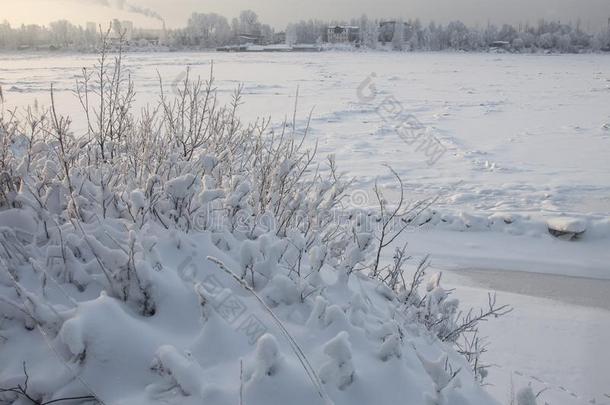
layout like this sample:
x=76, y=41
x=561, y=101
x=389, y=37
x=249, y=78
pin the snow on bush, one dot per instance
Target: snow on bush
x=267, y=357
x=339, y=369
x=106, y=289
x=182, y=371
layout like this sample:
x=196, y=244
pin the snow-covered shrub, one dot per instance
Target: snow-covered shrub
x=339, y=369
x=267, y=357
x=104, y=241
x=180, y=370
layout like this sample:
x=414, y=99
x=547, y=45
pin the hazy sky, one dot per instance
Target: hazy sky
x=592, y=13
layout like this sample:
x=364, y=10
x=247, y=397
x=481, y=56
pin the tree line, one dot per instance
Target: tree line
x=209, y=30
x=412, y=35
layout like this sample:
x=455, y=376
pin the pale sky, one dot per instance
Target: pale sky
x=593, y=14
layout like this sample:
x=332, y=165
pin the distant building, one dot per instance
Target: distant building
x=253, y=39
x=127, y=27
x=150, y=37
x=343, y=34
x=279, y=38
x=500, y=44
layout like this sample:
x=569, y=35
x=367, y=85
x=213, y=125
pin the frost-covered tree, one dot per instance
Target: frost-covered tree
x=369, y=31
x=61, y=32
x=208, y=30
x=415, y=35
x=306, y=32
x=545, y=41
x=248, y=23
x=458, y=35
x=518, y=44
x=507, y=33
x=398, y=36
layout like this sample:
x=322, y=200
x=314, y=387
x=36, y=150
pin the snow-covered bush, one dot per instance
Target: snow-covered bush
x=104, y=241
x=339, y=369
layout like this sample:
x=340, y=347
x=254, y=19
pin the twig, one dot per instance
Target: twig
x=310, y=371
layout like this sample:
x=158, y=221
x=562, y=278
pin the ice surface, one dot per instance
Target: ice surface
x=524, y=132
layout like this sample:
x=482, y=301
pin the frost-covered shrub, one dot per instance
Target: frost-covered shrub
x=267, y=357
x=339, y=369
x=178, y=369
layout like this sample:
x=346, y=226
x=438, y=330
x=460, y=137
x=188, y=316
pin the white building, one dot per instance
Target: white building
x=343, y=34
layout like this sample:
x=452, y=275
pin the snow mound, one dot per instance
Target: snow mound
x=191, y=349
x=513, y=223
x=565, y=224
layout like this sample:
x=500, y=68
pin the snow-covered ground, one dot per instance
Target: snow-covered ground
x=555, y=338
x=526, y=140
x=526, y=133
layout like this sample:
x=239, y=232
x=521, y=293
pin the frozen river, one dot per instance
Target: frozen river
x=521, y=133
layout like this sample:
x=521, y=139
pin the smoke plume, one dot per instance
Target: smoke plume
x=126, y=6
x=133, y=8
